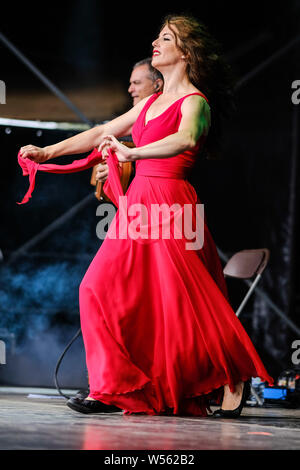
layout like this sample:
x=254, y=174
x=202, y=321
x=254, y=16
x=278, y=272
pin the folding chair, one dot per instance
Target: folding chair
x=248, y=264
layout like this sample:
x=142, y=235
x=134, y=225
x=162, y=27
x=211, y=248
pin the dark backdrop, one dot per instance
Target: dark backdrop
x=250, y=197
x=101, y=40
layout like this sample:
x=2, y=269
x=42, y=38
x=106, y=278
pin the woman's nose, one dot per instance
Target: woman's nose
x=154, y=43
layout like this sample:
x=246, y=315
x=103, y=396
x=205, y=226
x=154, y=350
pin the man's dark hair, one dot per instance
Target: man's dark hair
x=154, y=73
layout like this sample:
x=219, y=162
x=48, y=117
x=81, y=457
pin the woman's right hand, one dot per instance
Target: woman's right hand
x=36, y=154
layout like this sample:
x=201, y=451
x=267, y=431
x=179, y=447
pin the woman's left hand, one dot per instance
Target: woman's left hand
x=123, y=153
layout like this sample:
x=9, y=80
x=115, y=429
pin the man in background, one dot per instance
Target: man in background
x=144, y=81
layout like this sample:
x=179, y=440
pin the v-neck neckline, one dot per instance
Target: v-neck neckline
x=172, y=104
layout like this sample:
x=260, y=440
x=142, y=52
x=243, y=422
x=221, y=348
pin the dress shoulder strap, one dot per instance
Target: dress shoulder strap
x=196, y=93
x=150, y=100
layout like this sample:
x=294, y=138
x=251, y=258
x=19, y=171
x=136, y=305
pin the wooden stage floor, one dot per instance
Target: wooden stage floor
x=32, y=423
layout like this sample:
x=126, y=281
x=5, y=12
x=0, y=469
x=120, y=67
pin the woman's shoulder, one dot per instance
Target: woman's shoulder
x=195, y=107
x=195, y=95
x=195, y=100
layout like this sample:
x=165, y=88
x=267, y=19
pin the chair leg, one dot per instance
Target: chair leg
x=257, y=397
x=252, y=287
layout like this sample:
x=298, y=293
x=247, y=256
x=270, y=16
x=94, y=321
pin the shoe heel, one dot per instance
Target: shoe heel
x=237, y=411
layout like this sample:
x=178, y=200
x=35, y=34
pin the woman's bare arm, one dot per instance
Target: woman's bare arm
x=87, y=140
x=195, y=122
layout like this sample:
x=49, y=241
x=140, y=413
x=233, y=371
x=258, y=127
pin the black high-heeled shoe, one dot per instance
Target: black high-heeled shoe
x=90, y=406
x=237, y=411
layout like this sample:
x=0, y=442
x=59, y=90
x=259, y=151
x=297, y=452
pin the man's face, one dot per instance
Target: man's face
x=141, y=84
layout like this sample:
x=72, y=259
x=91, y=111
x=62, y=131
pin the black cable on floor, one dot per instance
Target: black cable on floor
x=59, y=362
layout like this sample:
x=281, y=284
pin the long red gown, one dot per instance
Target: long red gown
x=159, y=333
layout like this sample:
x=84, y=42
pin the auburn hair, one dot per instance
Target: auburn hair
x=208, y=71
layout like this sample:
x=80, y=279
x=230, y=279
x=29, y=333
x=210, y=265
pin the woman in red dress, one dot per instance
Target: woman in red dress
x=160, y=335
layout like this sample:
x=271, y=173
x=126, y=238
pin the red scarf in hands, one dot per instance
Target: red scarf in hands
x=112, y=186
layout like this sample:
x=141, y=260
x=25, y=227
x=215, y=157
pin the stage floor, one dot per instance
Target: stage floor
x=28, y=422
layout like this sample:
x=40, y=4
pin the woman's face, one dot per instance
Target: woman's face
x=165, y=49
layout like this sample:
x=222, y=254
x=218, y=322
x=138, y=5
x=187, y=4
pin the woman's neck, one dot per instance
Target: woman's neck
x=176, y=82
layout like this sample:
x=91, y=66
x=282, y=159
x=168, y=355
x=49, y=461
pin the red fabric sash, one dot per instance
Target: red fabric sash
x=112, y=186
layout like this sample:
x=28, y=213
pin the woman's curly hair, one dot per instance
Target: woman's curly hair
x=208, y=71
